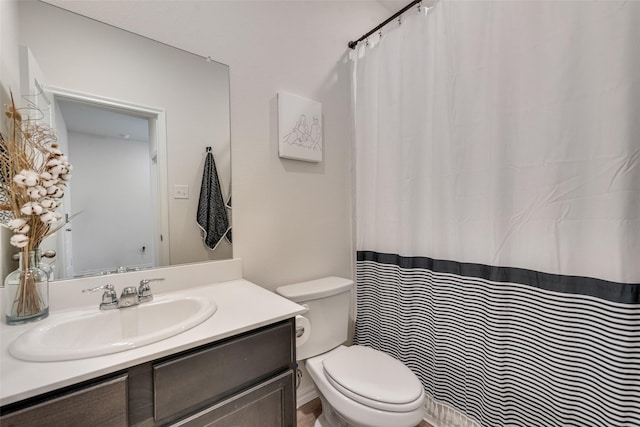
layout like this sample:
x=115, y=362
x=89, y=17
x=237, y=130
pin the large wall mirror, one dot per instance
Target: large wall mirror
x=136, y=118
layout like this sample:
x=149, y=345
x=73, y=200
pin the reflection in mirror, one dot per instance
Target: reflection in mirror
x=114, y=147
x=135, y=190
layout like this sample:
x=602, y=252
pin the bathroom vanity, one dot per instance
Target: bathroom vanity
x=235, y=368
x=245, y=380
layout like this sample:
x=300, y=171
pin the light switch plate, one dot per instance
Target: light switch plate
x=180, y=191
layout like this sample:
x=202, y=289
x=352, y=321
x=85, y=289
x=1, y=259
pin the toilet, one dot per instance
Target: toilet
x=358, y=386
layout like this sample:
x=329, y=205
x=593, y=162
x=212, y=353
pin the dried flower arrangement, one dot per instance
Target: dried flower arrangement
x=33, y=176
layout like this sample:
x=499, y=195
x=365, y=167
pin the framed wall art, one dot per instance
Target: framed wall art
x=299, y=128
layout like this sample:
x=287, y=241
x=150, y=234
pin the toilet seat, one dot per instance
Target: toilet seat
x=374, y=379
x=353, y=412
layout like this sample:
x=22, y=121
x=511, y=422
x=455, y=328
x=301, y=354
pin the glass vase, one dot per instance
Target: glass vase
x=26, y=291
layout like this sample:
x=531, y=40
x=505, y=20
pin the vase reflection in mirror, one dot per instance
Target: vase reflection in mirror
x=26, y=290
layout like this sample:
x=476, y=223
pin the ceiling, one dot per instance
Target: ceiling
x=88, y=119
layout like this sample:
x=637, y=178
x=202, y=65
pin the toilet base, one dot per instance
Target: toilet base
x=321, y=422
x=329, y=417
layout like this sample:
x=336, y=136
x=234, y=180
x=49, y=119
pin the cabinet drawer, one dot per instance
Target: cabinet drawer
x=270, y=404
x=187, y=382
x=103, y=404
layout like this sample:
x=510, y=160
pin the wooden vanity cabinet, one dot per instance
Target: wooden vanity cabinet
x=103, y=403
x=246, y=380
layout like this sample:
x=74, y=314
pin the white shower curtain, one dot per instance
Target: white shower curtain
x=497, y=151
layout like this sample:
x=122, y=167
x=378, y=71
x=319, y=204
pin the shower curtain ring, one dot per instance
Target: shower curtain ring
x=400, y=20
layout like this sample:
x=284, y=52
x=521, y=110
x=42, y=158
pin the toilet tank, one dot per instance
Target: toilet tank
x=329, y=301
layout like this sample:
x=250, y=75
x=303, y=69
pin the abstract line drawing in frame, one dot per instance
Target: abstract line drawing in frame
x=299, y=128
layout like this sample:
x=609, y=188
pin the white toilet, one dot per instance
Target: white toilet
x=358, y=386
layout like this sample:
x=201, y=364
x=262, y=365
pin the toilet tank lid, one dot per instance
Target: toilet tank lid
x=314, y=289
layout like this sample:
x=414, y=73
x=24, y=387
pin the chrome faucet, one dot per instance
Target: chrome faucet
x=109, y=297
x=129, y=297
x=144, y=290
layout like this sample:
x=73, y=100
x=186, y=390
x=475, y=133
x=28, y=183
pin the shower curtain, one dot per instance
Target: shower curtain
x=497, y=168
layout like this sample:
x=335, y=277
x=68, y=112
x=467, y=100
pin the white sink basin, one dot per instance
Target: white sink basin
x=88, y=333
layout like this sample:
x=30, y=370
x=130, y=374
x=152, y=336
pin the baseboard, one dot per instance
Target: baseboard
x=305, y=396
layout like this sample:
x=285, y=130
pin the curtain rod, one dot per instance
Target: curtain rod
x=353, y=44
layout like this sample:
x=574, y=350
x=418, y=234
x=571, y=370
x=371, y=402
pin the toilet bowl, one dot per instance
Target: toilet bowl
x=358, y=386
x=367, y=388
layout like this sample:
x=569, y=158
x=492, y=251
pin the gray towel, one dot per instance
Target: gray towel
x=228, y=235
x=212, y=212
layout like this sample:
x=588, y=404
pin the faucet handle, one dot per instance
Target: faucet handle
x=144, y=291
x=108, y=287
x=146, y=281
x=109, y=297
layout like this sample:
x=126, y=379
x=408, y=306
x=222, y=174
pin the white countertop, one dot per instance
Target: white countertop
x=242, y=306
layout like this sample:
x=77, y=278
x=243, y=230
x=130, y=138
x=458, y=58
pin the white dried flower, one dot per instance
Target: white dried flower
x=17, y=223
x=32, y=177
x=50, y=217
x=55, y=192
x=36, y=192
x=48, y=203
x=19, y=240
x=56, y=171
x=49, y=183
x=37, y=189
x=26, y=178
x=20, y=180
x=32, y=208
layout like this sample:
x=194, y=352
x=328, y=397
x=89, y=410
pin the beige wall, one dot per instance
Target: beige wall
x=292, y=220
x=8, y=47
x=9, y=77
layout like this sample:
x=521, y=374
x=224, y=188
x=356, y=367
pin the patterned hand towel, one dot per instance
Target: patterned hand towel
x=212, y=212
x=228, y=235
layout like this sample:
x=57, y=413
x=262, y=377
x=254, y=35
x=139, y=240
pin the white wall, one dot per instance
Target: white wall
x=9, y=72
x=291, y=219
x=9, y=77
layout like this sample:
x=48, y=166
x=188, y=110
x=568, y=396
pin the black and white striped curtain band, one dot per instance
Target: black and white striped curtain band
x=552, y=351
